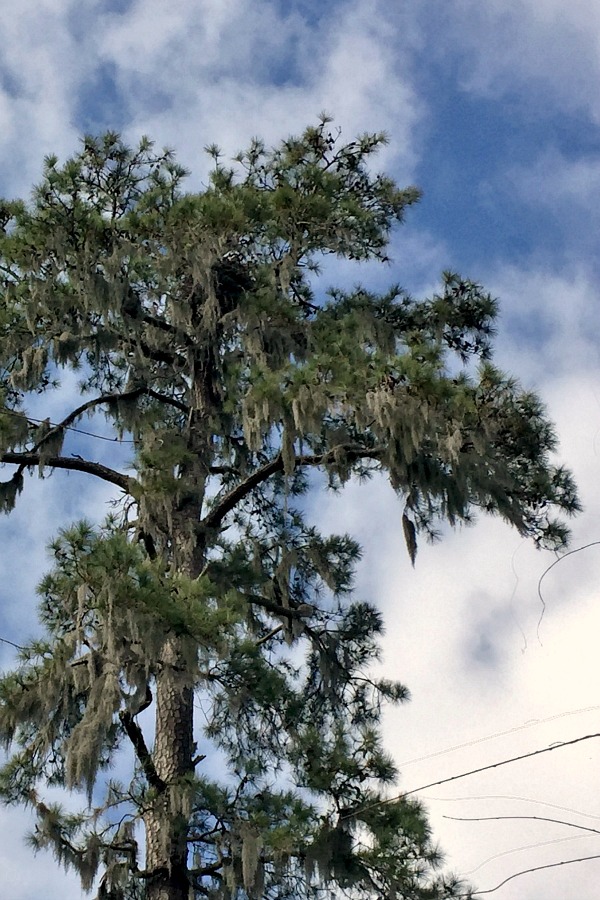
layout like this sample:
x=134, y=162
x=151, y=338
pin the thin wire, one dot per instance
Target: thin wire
x=535, y=818
x=572, y=837
x=489, y=737
x=514, y=593
x=503, y=762
x=576, y=812
x=100, y=437
x=551, y=566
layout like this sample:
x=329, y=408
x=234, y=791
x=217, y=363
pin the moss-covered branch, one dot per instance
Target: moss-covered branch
x=351, y=452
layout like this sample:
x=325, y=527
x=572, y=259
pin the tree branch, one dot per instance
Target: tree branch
x=300, y=613
x=31, y=457
x=89, y=404
x=107, y=398
x=24, y=460
x=212, y=869
x=353, y=452
x=135, y=735
x=171, y=401
x=156, y=354
x=168, y=327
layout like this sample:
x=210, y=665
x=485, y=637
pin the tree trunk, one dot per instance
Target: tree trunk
x=167, y=821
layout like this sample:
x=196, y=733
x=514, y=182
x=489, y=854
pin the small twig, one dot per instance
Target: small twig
x=563, y=862
x=12, y=643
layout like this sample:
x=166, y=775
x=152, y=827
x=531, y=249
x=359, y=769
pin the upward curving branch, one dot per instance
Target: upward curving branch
x=126, y=395
x=32, y=457
x=352, y=452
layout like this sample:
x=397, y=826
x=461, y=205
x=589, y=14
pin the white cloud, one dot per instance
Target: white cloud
x=40, y=68
x=24, y=876
x=543, y=51
x=565, y=190
x=207, y=76
x=549, y=321
x=462, y=627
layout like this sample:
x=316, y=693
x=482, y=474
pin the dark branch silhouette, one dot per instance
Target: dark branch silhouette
x=135, y=735
x=352, y=452
x=563, y=862
x=24, y=460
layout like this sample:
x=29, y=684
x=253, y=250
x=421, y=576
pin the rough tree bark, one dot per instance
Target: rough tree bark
x=166, y=824
x=173, y=755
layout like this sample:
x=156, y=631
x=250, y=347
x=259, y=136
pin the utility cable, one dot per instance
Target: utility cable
x=504, y=762
x=100, y=437
x=489, y=737
x=569, y=809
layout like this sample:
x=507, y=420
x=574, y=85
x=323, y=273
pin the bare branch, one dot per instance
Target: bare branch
x=135, y=735
x=169, y=401
x=563, y=862
x=74, y=463
x=212, y=869
x=267, y=637
x=168, y=327
x=299, y=613
x=12, y=643
x=79, y=411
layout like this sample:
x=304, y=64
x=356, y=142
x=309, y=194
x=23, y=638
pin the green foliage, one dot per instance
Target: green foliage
x=193, y=322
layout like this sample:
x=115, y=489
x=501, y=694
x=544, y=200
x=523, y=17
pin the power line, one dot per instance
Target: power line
x=572, y=837
x=535, y=818
x=503, y=762
x=570, y=809
x=100, y=437
x=489, y=737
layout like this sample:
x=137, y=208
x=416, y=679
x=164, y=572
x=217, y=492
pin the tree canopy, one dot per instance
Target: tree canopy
x=199, y=330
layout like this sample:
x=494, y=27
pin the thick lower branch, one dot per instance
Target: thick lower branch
x=74, y=463
x=299, y=613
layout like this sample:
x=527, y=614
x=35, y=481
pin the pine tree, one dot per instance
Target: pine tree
x=207, y=599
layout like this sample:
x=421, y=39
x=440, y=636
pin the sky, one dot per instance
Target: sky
x=493, y=110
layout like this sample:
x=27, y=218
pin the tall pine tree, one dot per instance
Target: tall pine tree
x=207, y=599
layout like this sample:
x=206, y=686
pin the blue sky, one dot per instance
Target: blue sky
x=493, y=109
